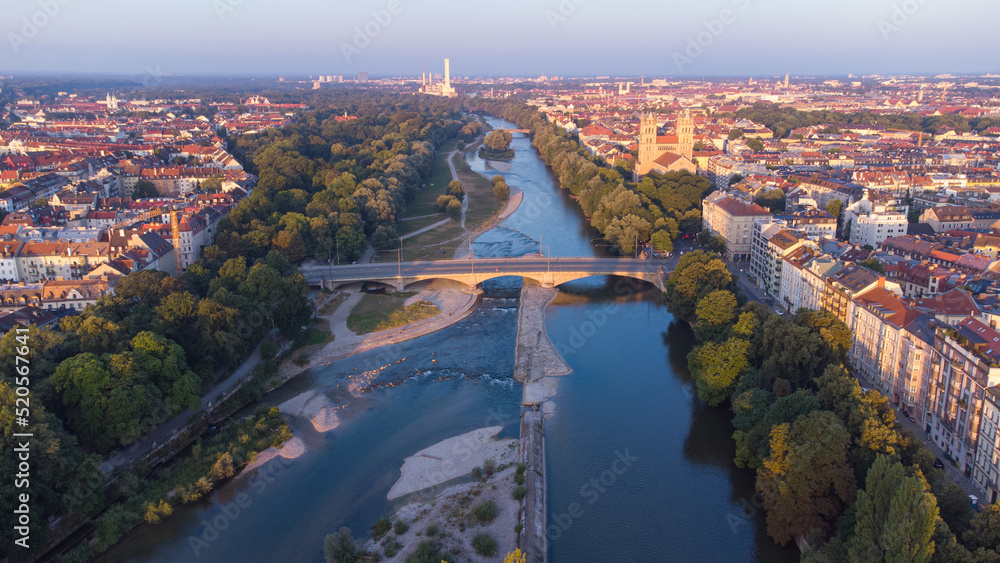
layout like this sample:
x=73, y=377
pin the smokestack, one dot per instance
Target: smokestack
x=447, y=75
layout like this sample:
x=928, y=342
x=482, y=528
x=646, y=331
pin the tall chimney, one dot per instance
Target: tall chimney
x=447, y=75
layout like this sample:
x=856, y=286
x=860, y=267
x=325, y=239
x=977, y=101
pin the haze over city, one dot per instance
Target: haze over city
x=523, y=38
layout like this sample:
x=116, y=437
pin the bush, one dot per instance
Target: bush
x=381, y=527
x=519, y=492
x=268, y=349
x=392, y=547
x=518, y=528
x=489, y=466
x=430, y=552
x=485, y=511
x=477, y=473
x=519, y=478
x=301, y=360
x=431, y=530
x=485, y=544
x=400, y=528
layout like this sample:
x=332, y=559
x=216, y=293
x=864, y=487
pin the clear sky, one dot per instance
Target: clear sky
x=514, y=37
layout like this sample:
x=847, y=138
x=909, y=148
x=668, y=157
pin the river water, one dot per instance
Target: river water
x=638, y=469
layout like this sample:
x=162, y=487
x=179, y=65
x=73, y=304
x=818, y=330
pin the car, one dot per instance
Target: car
x=938, y=463
x=907, y=414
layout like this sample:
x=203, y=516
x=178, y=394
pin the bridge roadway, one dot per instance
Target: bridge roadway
x=549, y=272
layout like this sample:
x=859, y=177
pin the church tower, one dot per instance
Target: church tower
x=647, y=143
x=685, y=135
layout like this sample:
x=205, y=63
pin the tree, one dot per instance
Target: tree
x=213, y=184
x=806, y=481
x=498, y=140
x=144, y=189
x=500, y=190
x=712, y=243
x=873, y=264
x=985, y=530
x=755, y=145
x=339, y=547
x=735, y=179
x=661, y=241
x=895, y=516
x=717, y=367
x=696, y=275
x=455, y=188
x=772, y=199
x=715, y=312
x=735, y=133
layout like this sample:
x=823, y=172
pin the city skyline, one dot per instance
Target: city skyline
x=568, y=38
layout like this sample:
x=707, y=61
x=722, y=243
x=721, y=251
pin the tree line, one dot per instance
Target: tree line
x=326, y=186
x=833, y=466
x=783, y=120
x=657, y=208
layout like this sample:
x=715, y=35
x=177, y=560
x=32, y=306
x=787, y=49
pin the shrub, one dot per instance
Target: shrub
x=485, y=511
x=400, y=528
x=518, y=528
x=381, y=527
x=484, y=544
x=430, y=552
x=489, y=466
x=519, y=478
x=392, y=547
x=431, y=530
x=477, y=473
x=519, y=492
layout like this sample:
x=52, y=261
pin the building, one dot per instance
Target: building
x=444, y=89
x=986, y=471
x=846, y=283
x=947, y=218
x=666, y=153
x=733, y=220
x=967, y=363
x=815, y=223
x=771, y=244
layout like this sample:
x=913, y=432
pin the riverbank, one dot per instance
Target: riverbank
x=448, y=518
x=454, y=304
x=452, y=458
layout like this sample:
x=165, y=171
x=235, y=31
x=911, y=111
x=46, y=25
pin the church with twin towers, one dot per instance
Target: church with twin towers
x=666, y=153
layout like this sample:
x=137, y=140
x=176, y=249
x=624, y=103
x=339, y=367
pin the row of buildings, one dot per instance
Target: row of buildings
x=924, y=321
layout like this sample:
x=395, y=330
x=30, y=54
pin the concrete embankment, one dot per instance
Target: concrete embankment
x=538, y=365
x=533, y=512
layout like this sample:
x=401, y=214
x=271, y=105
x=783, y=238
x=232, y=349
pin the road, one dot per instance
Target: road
x=512, y=266
x=147, y=443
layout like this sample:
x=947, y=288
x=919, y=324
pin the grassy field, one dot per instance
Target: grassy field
x=482, y=204
x=379, y=312
x=442, y=241
x=437, y=185
x=407, y=227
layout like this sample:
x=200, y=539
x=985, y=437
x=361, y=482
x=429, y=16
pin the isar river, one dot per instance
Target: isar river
x=638, y=469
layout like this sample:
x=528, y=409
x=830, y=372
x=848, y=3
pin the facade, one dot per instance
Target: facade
x=732, y=220
x=771, y=244
x=986, y=472
x=870, y=230
x=947, y=218
x=666, y=151
x=967, y=361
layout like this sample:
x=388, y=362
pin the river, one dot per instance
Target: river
x=672, y=495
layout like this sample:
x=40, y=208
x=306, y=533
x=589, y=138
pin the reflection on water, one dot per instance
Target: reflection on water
x=639, y=470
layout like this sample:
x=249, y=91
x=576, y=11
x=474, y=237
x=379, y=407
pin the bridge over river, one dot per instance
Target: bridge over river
x=547, y=271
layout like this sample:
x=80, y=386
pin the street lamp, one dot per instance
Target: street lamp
x=399, y=259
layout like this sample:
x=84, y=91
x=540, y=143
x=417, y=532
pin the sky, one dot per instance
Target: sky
x=510, y=38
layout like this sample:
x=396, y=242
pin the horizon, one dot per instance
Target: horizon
x=575, y=38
